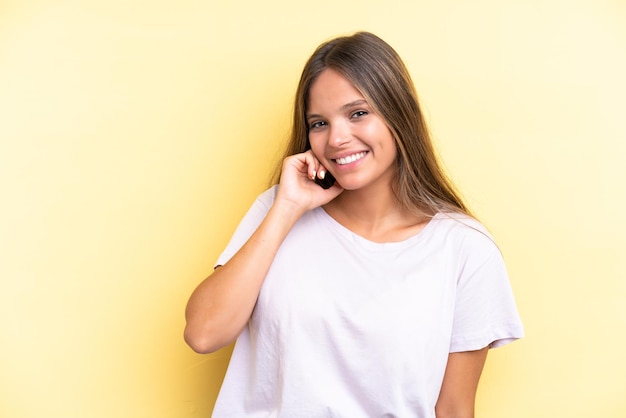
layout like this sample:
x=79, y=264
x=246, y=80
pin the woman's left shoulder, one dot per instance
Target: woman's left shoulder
x=463, y=229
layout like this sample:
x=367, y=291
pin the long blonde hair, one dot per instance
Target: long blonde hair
x=377, y=71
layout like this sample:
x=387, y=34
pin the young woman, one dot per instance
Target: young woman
x=378, y=296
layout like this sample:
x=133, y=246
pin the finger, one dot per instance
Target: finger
x=312, y=164
x=321, y=172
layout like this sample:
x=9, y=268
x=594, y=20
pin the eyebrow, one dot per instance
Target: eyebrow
x=358, y=102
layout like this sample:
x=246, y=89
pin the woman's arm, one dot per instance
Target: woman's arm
x=460, y=382
x=219, y=308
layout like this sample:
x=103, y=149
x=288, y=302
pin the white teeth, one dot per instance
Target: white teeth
x=351, y=158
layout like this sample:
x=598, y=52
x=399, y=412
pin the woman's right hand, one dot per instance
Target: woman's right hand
x=220, y=307
x=297, y=186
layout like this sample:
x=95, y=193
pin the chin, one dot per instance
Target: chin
x=350, y=186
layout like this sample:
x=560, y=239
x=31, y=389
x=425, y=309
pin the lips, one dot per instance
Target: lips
x=350, y=158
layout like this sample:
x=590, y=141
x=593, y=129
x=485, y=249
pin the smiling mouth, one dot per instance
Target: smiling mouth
x=350, y=158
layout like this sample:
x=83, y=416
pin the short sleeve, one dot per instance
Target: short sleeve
x=249, y=223
x=485, y=312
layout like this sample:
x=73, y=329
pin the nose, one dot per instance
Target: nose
x=339, y=134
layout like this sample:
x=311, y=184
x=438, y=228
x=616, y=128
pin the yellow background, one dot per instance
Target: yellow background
x=134, y=135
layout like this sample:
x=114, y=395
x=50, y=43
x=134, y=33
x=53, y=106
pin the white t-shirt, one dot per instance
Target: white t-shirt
x=346, y=327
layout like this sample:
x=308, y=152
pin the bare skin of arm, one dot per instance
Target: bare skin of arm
x=219, y=308
x=460, y=383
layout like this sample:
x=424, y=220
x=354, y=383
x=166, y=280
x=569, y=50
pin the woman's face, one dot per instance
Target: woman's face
x=346, y=136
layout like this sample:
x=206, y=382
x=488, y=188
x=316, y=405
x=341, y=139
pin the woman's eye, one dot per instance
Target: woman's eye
x=316, y=125
x=359, y=113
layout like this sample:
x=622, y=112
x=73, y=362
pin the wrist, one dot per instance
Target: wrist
x=287, y=210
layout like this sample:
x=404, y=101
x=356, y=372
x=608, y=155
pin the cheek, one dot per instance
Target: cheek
x=381, y=136
x=376, y=128
x=317, y=145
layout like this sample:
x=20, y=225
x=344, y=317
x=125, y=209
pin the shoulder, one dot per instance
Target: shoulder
x=464, y=233
x=262, y=203
x=480, y=262
x=460, y=224
x=267, y=197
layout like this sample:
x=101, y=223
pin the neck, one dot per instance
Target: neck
x=366, y=206
x=377, y=216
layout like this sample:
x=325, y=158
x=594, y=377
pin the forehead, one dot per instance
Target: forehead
x=331, y=88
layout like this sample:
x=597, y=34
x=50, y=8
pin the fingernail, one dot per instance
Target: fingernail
x=314, y=174
x=322, y=174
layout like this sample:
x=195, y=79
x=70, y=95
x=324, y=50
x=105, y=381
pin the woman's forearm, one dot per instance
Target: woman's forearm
x=221, y=305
